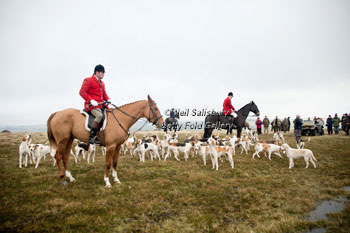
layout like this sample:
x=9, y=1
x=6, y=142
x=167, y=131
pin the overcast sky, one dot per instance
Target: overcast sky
x=288, y=56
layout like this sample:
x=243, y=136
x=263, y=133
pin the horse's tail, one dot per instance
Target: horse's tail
x=52, y=141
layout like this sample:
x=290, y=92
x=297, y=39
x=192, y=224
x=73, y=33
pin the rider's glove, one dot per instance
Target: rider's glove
x=94, y=103
x=234, y=114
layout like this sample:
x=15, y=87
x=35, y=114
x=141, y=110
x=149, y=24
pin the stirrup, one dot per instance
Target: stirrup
x=95, y=140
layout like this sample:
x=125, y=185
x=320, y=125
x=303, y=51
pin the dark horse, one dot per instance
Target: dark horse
x=171, y=123
x=221, y=122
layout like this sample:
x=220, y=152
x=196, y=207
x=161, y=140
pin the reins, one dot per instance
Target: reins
x=116, y=107
x=148, y=119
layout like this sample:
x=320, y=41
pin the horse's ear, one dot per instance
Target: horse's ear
x=149, y=98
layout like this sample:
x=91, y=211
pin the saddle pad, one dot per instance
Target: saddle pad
x=89, y=118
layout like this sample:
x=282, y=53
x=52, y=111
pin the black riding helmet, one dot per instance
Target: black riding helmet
x=230, y=94
x=99, y=68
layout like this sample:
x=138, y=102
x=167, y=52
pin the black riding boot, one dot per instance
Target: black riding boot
x=93, y=139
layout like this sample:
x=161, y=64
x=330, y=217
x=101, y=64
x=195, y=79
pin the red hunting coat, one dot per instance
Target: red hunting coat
x=93, y=90
x=228, y=108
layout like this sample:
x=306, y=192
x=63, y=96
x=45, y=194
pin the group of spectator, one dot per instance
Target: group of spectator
x=284, y=125
x=335, y=123
x=276, y=124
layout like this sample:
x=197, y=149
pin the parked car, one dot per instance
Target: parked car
x=312, y=128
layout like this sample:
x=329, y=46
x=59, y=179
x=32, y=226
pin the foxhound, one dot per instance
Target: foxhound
x=216, y=151
x=301, y=143
x=278, y=137
x=270, y=148
x=244, y=143
x=41, y=151
x=176, y=148
x=202, y=149
x=129, y=144
x=24, y=151
x=143, y=147
x=299, y=153
x=80, y=148
x=165, y=143
x=91, y=152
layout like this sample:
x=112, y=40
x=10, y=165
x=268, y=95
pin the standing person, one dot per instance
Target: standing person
x=288, y=119
x=336, y=124
x=297, y=128
x=347, y=123
x=258, y=125
x=343, y=122
x=94, y=93
x=276, y=124
x=329, y=124
x=321, y=121
x=285, y=125
x=266, y=123
x=282, y=126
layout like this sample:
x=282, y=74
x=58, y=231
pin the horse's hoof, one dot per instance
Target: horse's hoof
x=117, y=182
x=64, y=183
x=73, y=181
x=108, y=186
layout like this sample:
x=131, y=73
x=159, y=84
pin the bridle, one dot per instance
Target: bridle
x=255, y=114
x=156, y=119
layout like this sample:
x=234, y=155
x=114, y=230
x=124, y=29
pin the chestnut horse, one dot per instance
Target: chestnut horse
x=65, y=125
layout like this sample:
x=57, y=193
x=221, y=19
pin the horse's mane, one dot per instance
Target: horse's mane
x=245, y=106
x=131, y=103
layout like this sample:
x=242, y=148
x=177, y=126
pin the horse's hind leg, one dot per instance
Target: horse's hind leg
x=65, y=159
x=207, y=132
x=115, y=163
x=61, y=148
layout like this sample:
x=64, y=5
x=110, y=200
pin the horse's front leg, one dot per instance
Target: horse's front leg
x=115, y=163
x=109, y=156
x=239, y=130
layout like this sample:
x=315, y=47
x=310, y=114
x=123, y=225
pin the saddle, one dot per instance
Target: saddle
x=232, y=119
x=90, y=118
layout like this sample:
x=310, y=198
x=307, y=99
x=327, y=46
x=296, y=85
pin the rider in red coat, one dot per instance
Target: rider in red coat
x=228, y=108
x=93, y=89
x=93, y=92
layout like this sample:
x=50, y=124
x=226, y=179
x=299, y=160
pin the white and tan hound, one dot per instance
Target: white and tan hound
x=24, y=151
x=269, y=148
x=216, y=151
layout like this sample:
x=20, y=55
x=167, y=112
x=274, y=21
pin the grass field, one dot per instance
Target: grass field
x=256, y=196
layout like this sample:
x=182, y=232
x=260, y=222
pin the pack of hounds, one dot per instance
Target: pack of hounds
x=162, y=149
x=33, y=153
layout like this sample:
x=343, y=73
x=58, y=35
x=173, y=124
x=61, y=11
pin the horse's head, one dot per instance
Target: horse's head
x=254, y=108
x=153, y=114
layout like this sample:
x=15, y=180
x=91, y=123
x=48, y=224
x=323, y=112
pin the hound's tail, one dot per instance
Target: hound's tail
x=52, y=141
x=313, y=157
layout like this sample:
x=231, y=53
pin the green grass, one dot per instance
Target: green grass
x=256, y=196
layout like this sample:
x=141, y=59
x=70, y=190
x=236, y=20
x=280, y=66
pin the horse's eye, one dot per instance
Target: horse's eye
x=156, y=109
